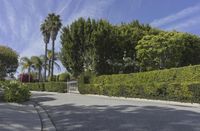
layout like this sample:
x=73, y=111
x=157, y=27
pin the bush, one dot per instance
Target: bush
x=64, y=77
x=179, y=84
x=48, y=86
x=4, y=84
x=15, y=92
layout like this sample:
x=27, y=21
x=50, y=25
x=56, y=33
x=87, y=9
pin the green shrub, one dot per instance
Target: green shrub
x=4, y=84
x=64, y=77
x=15, y=92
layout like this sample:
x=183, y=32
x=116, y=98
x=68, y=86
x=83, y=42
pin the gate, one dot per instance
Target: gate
x=72, y=87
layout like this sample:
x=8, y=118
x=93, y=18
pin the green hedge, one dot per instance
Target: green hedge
x=185, y=92
x=36, y=86
x=184, y=74
x=178, y=84
x=56, y=87
x=48, y=86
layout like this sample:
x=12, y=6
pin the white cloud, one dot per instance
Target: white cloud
x=185, y=25
x=174, y=17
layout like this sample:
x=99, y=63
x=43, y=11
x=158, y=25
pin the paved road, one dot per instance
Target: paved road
x=74, y=112
x=16, y=117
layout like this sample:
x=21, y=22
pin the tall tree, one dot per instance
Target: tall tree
x=54, y=25
x=8, y=61
x=160, y=51
x=46, y=37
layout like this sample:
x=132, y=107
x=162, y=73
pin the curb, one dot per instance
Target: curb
x=147, y=100
x=46, y=122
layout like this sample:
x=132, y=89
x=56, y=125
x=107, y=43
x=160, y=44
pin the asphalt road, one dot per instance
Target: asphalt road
x=74, y=112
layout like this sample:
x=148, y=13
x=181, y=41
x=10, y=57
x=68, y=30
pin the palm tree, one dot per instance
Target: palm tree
x=26, y=64
x=54, y=25
x=46, y=37
x=37, y=64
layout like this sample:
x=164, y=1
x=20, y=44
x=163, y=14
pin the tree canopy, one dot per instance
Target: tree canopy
x=104, y=48
x=8, y=61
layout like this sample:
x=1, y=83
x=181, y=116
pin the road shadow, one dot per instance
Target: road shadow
x=70, y=117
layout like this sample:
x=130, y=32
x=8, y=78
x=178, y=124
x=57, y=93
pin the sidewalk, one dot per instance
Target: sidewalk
x=17, y=117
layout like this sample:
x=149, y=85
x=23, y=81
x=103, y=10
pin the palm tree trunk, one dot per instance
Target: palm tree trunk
x=45, y=62
x=39, y=75
x=49, y=68
x=52, y=60
x=29, y=74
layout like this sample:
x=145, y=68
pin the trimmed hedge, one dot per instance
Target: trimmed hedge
x=56, y=87
x=177, y=84
x=48, y=86
x=179, y=75
x=36, y=86
x=185, y=92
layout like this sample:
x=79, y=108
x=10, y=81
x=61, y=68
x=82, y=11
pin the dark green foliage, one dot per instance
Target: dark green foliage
x=8, y=61
x=98, y=46
x=64, y=77
x=179, y=84
x=85, y=78
x=48, y=86
x=15, y=92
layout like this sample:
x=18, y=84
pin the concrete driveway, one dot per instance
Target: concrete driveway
x=74, y=112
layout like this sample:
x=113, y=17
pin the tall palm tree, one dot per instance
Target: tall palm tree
x=46, y=37
x=37, y=64
x=26, y=64
x=54, y=25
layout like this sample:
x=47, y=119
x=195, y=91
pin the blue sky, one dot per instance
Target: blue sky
x=20, y=19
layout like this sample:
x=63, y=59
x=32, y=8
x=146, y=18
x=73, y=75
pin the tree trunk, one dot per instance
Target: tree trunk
x=49, y=68
x=52, y=60
x=29, y=74
x=45, y=62
x=39, y=75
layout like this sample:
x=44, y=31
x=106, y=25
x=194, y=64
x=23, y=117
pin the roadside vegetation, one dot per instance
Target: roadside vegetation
x=176, y=84
x=129, y=59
